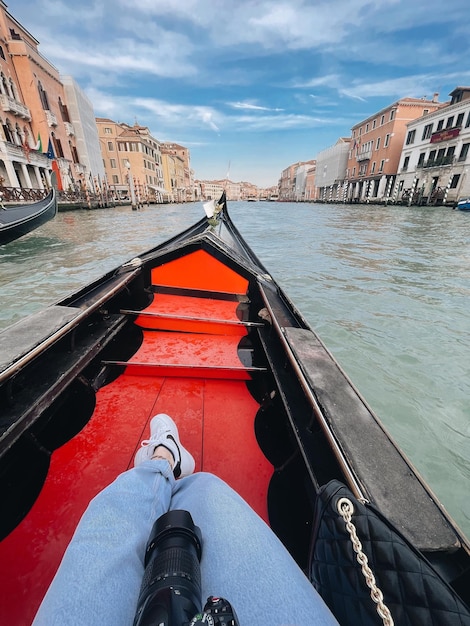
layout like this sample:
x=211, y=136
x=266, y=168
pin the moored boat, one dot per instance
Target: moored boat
x=199, y=329
x=464, y=204
x=20, y=220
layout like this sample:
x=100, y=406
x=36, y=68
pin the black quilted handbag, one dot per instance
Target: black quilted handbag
x=413, y=592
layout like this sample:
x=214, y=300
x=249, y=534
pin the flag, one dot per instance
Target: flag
x=26, y=148
x=38, y=146
x=50, y=150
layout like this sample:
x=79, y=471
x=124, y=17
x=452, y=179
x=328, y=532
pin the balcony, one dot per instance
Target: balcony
x=10, y=105
x=51, y=118
x=442, y=161
x=69, y=129
x=366, y=155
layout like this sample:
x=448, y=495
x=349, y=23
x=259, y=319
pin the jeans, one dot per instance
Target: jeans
x=98, y=581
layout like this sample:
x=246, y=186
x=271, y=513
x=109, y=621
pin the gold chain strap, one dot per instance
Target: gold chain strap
x=346, y=509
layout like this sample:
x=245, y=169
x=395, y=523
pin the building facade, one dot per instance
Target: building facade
x=132, y=161
x=185, y=190
x=376, y=145
x=331, y=169
x=435, y=160
x=82, y=124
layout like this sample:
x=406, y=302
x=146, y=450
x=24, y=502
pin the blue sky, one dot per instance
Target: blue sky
x=257, y=84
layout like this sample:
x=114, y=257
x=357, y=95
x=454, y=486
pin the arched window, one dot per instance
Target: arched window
x=14, y=91
x=8, y=131
x=43, y=97
x=64, y=111
x=18, y=137
x=3, y=84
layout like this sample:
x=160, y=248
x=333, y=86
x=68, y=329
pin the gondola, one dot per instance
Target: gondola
x=20, y=220
x=198, y=328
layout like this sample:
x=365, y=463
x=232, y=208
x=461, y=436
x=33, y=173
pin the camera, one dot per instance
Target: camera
x=170, y=594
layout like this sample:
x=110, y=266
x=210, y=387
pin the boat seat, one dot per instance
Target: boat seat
x=385, y=474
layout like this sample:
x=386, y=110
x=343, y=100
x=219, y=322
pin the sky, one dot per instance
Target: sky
x=251, y=86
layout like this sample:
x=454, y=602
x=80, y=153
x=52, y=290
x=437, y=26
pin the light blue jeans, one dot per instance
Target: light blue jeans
x=98, y=581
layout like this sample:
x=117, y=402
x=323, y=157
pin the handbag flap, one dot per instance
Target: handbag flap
x=412, y=589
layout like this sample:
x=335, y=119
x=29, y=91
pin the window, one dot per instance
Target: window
x=410, y=138
x=455, y=181
x=440, y=124
x=367, y=128
x=467, y=123
x=382, y=120
x=421, y=159
x=2, y=54
x=450, y=122
x=43, y=97
x=450, y=151
x=374, y=124
x=108, y=131
x=432, y=155
x=425, y=111
x=64, y=111
x=387, y=140
x=427, y=131
x=381, y=168
x=464, y=152
x=377, y=144
x=392, y=114
x=459, y=121
x=115, y=179
x=112, y=162
x=110, y=146
x=372, y=169
x=406, y=163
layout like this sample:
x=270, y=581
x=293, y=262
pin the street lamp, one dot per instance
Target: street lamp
x=131, y=185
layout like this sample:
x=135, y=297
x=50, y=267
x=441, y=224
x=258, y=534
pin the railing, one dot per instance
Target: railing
x=17, y=194
x=51, y=118
x=445, y=160
x=364, y=156
x=9, y=104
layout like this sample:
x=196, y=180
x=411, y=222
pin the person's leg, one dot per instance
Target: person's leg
x=99, y=579
x=243, y=561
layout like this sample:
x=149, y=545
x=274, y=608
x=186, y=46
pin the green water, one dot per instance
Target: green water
x=386, y=288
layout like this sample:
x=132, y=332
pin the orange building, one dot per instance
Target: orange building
x=35, y=116
x=376, y=146
x=185, y=193
x=132, y=160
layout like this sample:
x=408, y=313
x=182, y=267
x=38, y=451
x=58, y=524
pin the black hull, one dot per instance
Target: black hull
x=19, y=221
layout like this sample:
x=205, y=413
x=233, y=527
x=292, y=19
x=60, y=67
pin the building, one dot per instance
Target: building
x=435, y=160
x=185, y=190
x=35, y=114
x=292, y=183
x=82, y=125
x=376, y=145
x=174, y=168
x=331, y=169
x=132, y=161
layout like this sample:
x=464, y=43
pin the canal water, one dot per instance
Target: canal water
x=386, y=288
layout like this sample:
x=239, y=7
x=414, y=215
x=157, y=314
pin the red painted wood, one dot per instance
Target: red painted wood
x=199, y=270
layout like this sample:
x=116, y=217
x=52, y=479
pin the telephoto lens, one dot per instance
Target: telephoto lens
x=170, y=594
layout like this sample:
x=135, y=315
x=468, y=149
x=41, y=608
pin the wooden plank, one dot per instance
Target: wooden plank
x=29, y=333
x=388, y=477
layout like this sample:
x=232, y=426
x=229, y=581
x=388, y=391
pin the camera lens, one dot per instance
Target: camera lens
x=171, y=588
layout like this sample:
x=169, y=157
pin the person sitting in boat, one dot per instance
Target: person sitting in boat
x=99, y=579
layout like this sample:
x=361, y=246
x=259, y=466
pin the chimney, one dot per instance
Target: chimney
x=435, y=97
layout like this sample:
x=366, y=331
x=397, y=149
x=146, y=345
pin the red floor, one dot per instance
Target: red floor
x=205, y=394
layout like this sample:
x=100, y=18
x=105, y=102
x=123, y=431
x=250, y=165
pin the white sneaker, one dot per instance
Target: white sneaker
x=164, y=432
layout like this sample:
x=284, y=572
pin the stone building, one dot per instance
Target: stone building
x=331, y=171
x=376, y=145
x=132, y=161
x=435, y=161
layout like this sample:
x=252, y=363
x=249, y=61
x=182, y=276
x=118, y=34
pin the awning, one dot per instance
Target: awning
x=156, y=188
